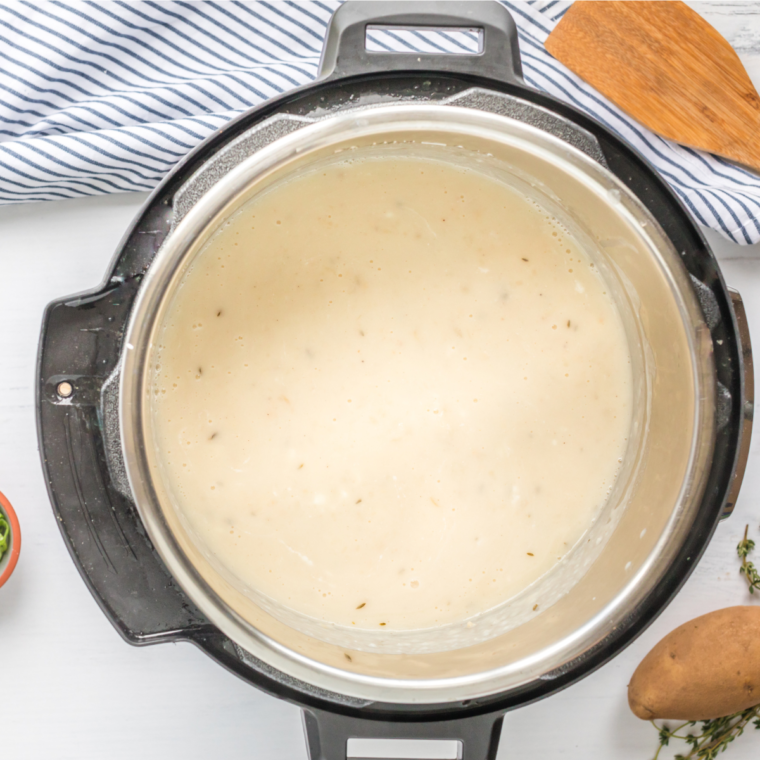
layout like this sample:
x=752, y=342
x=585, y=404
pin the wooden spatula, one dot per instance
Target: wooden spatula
x=663, y=64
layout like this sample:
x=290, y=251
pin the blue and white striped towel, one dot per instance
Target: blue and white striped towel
x=103, y=97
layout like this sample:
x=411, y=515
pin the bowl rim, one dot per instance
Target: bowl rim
x=15, y=550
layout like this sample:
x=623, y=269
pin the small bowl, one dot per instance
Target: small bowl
x=10, y=558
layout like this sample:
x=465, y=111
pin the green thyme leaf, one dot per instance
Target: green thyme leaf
x=748, y=569
x=715, y=736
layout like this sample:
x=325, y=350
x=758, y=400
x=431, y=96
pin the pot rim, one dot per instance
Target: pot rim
x=143, y=322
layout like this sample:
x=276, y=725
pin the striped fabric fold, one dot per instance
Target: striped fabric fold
x=104, y=97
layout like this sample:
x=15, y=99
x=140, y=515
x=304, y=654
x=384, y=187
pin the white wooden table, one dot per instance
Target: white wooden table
x=71, y=689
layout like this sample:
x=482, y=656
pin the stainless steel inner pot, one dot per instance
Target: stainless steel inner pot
x=643, y=524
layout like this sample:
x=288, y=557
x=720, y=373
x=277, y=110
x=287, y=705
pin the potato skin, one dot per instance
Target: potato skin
x=706, y=668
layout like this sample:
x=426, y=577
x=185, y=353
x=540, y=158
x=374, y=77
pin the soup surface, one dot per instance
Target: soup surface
x=391, y=393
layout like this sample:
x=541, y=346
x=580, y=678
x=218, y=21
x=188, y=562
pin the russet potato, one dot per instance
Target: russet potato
x=706, y=668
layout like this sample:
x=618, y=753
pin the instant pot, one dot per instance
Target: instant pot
x=692, y=375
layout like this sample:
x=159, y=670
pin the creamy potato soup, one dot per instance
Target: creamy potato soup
x=391, y=394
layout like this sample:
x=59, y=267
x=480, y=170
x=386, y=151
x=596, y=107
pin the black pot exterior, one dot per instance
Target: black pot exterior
x=82, y=340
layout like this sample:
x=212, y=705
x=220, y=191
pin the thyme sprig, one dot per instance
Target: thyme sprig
x=748, y=569
x=5, y=534
x=715, y=734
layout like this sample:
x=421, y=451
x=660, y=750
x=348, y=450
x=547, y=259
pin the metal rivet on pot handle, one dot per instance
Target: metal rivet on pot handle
x=748, y=400
x=65, y=389
x=345, y=51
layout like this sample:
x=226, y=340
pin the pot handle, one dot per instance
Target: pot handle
x=747, y=400
x=345, y=50
x=80, y=343
x=328, y=734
